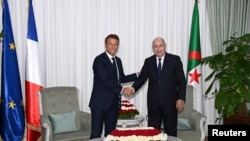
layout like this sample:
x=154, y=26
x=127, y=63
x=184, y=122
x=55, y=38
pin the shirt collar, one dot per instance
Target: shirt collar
x=110, y=56
x=162, y=58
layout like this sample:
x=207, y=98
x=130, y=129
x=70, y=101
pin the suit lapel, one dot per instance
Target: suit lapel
x=114, y=71
x=165, y=63
x=109, y=63
x=154, y=63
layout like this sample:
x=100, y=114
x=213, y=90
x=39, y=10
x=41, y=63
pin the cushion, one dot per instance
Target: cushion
x=183, y=124
x=63, y=122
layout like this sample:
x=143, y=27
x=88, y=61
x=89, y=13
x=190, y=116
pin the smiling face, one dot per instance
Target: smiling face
x=112, y=45
x=159, y=46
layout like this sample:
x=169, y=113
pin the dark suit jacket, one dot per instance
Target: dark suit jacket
x=163, y=91
x=106, y=86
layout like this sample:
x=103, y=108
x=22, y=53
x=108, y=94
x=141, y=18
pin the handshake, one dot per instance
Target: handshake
x=129, y=91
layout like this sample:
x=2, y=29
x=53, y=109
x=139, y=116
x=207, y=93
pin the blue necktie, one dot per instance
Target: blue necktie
x=116, y=74
x=159, y=67
x=114, y=65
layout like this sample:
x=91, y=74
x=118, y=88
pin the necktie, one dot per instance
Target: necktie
x=159, y=67
x=114, y=65
x=119, y=95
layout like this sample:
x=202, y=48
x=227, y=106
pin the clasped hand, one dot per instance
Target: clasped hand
x=129, y=91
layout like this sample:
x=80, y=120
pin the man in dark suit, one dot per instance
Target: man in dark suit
x=166, y=87
x=106, y=94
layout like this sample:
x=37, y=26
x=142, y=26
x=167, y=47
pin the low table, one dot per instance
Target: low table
x=170, y=138
x=136, y=122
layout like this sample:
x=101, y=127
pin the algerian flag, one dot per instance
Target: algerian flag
x=194, y=73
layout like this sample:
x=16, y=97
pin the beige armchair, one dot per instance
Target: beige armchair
x=194, y=120
x=61, y=118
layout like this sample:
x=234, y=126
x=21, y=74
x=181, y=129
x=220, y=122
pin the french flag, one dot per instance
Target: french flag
x=33, y=80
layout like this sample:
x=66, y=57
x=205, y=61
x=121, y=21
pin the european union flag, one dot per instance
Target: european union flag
x=12, y=121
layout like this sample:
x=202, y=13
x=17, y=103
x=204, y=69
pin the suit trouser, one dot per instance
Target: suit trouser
x=107, y=118
x=169, y=119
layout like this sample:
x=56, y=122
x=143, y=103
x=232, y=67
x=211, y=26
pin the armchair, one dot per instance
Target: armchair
x=61, y=118
x=196, y=120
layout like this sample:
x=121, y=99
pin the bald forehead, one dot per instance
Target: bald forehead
x=158, y=40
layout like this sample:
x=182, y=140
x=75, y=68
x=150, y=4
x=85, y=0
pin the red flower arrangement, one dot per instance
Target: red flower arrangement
x=127, y=110
x=138, y=132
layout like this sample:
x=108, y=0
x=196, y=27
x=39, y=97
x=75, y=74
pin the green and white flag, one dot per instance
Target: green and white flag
x=194, y=73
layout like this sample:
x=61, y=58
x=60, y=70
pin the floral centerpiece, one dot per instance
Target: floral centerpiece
x=137, y=134
x=127, y=111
